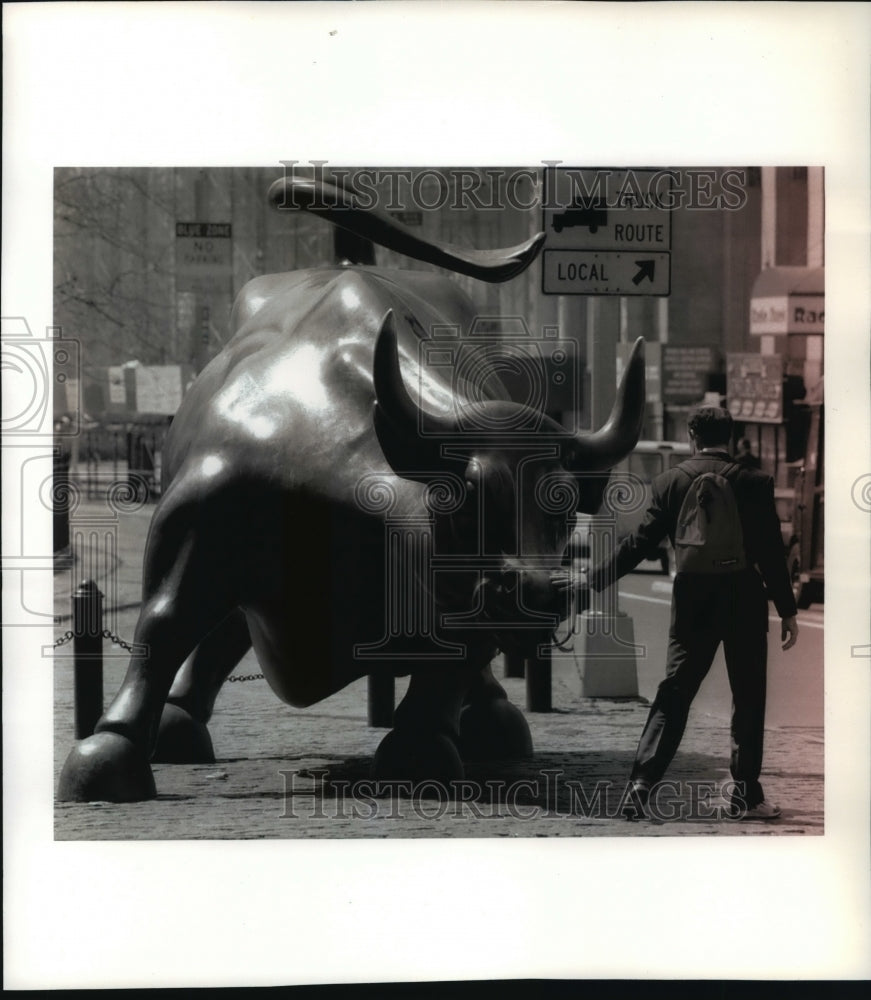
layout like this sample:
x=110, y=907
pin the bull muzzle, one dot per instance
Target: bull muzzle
x=524, y=608
x=524, y=598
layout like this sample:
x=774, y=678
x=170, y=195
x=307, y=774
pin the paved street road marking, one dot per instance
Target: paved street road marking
x=650, y=600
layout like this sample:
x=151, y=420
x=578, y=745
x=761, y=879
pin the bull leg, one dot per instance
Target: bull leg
x=183, y=737
x=423, y=743
x=184, y=596
x=491, y=728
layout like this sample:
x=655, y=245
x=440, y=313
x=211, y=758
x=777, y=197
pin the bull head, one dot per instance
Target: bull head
x=511, y=480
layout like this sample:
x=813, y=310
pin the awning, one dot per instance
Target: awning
x=788, y=300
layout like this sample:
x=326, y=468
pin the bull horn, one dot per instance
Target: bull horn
x=390, y=392
x=613, y=442
x=342, y=207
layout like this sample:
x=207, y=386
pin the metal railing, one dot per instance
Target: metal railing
x=111, y=453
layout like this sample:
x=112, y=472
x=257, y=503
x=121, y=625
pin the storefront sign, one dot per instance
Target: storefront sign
x=788, y=300
x=787, y=314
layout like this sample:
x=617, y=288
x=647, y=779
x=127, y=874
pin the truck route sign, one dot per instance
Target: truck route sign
x=608, y=232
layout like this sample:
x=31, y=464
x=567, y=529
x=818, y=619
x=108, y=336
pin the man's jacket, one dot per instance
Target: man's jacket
x=754, y=494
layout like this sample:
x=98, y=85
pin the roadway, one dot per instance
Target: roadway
x=795, y=677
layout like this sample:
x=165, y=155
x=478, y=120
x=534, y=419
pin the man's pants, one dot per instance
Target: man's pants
x=705, y=611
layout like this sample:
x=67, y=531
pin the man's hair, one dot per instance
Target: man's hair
x=710, y=426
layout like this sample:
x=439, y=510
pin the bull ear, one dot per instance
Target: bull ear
x=606, y=447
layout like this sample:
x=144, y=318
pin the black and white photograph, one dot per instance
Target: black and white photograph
x=364, y=441
x=418, y=488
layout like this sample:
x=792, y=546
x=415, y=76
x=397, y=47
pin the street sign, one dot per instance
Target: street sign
x=754, y=387
x=117, y=386
x=157, y=388
x=607, y=272
x=686, y=371
x=608, y=232
x=203, y=249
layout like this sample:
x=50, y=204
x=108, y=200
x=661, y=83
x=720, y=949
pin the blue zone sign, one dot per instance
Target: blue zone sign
x=608, y=232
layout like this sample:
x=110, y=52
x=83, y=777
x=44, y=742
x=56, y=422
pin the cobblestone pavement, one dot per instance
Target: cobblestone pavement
x=291, y=773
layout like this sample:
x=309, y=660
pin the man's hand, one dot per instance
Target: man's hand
x=788, y=627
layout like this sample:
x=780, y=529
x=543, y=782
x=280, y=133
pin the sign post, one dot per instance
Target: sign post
x=204, y=260
x=608, y=235
x=605, y=647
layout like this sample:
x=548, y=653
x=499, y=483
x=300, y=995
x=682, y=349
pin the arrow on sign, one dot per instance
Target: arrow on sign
x=646, y=269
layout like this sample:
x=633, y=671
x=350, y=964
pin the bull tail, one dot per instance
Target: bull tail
x=342, y=207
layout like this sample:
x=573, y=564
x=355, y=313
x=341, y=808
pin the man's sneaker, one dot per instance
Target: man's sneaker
x=762, y=810
x=635, y=806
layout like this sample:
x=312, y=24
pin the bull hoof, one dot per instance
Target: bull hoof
x=182, y=739
x=106, y=767
x=494, y=730
x=404, y=757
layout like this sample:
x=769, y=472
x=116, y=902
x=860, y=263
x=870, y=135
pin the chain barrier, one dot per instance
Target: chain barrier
x=116, y=640
x=68, y=636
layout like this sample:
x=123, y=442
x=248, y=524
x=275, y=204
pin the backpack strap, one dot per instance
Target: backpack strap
x=681, y=468
x=731, y=467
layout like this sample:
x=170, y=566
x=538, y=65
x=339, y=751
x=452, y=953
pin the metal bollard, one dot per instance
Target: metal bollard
x=538, y=683
x=61, y=502
x=88, y=667
x=381, y=696
x=513, y=665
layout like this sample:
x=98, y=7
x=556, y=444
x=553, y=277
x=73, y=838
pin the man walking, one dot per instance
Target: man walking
x=745, y=455
x=715, y=599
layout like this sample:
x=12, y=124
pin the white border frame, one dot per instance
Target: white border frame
x=249, y=83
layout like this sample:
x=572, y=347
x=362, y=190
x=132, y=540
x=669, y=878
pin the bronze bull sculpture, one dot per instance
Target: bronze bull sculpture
x=322, y=482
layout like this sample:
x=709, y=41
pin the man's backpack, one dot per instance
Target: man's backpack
x=708, y=537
